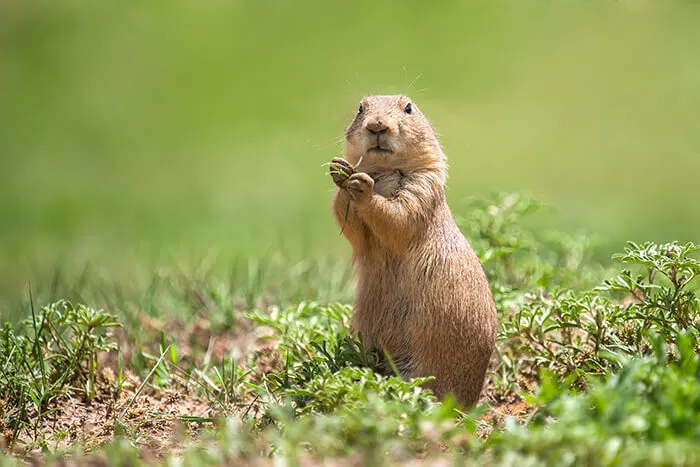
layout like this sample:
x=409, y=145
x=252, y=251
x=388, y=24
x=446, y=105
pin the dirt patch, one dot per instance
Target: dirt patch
x=155, y=419
x=494, y=418
x=160, y=416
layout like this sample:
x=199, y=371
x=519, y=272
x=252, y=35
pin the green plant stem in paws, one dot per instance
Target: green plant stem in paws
x=345, y=221
x=347, y=206
x=340, y=171
x=336, y=170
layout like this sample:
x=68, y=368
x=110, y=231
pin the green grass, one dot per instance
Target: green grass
x=162, y=169
x=596, y=363
x=143, y=132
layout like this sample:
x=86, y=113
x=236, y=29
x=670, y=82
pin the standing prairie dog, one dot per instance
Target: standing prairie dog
x=422, y=295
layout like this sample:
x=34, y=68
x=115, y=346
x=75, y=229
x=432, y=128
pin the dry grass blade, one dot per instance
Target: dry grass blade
x=145, y=381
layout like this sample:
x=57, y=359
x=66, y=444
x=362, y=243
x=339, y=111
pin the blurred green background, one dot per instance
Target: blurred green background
x=146, y=132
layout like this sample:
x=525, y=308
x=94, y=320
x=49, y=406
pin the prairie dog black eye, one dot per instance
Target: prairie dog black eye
x=361, y=109
x=408, y=109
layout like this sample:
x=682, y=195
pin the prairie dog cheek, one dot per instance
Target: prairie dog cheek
x=353, y=152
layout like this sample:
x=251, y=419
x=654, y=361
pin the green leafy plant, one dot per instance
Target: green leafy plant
x=48, y=355
x=647, y=413
x=662, y=295
x=591, y=332
x=517, y=256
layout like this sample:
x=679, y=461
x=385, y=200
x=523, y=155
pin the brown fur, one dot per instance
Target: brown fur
x=422, y=294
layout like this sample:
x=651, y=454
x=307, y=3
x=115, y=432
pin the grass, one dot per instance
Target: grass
x=173, y=287
x=146, y=134
x=595, y=364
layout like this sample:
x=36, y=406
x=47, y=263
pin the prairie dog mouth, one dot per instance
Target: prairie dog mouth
x=380, y=150
x=380, y=145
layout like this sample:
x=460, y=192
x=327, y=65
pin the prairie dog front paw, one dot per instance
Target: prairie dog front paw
x=359, y=186
x=340, y=170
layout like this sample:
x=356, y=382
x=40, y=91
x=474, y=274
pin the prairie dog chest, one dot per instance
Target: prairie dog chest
x=387, y=184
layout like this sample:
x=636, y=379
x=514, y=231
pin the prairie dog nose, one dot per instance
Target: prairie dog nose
x=376, y=126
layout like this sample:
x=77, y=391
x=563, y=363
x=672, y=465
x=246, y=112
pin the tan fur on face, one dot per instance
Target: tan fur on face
x=422, y=294
x=410, y=136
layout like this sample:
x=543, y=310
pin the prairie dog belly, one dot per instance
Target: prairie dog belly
x=383, y=304
x=387, y=184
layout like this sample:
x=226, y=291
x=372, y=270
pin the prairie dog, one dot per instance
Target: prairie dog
x=422, y=295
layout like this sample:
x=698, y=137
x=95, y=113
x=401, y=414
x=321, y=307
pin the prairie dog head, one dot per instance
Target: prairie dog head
x=391, y=133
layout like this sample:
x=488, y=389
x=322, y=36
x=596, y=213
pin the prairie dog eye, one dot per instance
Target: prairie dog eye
x=408, y=109
x=361, y=109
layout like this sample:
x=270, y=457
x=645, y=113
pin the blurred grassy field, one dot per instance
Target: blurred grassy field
x=142, y=132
